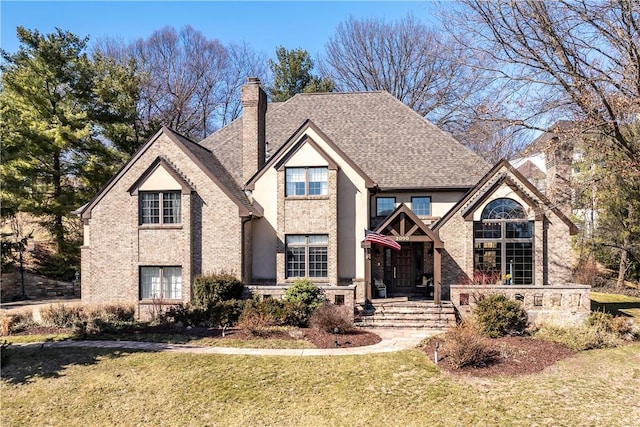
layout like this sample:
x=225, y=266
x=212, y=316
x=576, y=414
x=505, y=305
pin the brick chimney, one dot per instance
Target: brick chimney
x=254, y=107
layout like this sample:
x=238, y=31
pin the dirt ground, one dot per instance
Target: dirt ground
x=511, y=356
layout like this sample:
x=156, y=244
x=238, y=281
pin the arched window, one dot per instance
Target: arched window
x=503, y=243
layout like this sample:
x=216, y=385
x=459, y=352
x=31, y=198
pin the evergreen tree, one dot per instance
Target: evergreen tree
x=292, y=75
x=57, y=115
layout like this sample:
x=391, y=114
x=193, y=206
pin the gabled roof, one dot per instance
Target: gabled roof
x=492, y=175
x=202, y=157
x=398, y=216
x=295, y=142
x=161, y=161
x=388, y=141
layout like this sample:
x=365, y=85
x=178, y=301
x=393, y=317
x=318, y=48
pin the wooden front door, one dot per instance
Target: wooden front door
x=403, y=269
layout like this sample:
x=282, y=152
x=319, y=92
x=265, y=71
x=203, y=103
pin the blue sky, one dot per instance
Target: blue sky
x=263, y=25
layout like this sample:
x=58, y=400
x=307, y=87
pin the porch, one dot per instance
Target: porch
x=410, y=265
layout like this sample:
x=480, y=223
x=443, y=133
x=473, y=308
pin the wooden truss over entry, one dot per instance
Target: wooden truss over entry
x=405, y=227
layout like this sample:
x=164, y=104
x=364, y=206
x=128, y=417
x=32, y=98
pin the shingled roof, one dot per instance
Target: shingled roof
x=390, y=142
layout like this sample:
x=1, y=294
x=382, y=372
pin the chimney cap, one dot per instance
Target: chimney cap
x=253, y=80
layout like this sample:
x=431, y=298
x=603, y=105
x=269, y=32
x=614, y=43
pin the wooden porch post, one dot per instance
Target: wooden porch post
x=367, y=274
x=437, y=275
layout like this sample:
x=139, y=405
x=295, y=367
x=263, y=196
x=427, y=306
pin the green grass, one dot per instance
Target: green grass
x=616, y=304
x=79, y=387
x=37, y=338
x=207, y=341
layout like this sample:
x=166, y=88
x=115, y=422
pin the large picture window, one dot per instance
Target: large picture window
x=306, y=181
x=503, y=243
x=161, y=283
x=306, y=255
x=160, y=207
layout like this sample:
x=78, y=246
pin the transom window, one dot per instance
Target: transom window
x=307, y=255
x=385, y=205
x=306, y=181
x=503, y=243
x=161, y=283
x=421, y=205
x=160, y=207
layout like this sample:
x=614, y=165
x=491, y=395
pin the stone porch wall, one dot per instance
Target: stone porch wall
x=347, y=292
x=565, y=305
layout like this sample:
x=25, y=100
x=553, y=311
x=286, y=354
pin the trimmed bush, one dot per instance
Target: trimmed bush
x=499, y=316
x=305, y=293
x=465, y=346
x=332, y=318
x=214, y=288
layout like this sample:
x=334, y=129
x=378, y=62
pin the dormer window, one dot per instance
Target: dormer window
x=306, y=181
x=160, y=207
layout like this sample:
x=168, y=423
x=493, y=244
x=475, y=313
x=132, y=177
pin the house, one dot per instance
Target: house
x=288, y=190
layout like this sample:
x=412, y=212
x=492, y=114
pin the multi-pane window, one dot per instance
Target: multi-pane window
x=160, y=207
x=306, y=181
x=421, y=205
x=160, y=282
x=306, y=255
x=385, y=205
x=503, y=243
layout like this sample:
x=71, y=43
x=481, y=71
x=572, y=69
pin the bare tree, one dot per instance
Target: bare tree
x=242, y=62
x=187, y=82
x=182, y=79
x=575, y=59
x=423, y=69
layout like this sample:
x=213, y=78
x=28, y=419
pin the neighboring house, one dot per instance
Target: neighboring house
x=554, y=163
x=338, y=164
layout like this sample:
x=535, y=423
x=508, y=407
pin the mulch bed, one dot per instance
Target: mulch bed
x=511, y=356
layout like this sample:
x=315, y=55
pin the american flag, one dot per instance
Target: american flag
x=379, y=239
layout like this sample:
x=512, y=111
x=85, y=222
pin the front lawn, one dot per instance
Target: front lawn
x=616, y=304
x=55, y=386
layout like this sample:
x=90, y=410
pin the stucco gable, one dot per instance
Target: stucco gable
x=295, y=142
x=202, y=157
x=503, y=173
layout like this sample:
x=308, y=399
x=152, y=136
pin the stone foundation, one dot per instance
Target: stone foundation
x=565, y=305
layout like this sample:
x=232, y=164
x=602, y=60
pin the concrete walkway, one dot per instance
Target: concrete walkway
x=392, y=340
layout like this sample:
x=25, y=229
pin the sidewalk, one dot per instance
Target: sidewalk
x=392, y=340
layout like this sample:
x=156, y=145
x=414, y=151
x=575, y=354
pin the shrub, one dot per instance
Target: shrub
x=332, y=318
x=578, y=338
x=211, y=289
x=61, y=315
x=255, y=322
x=306, y=293
x=500, y=316
x=465, y=346
x=120, y=312
x=225, y=314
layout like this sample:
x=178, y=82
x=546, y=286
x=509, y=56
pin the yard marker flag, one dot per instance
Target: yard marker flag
x=373, y=237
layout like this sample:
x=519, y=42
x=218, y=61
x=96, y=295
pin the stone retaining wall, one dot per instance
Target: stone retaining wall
x=35, y=287
x=564, y=305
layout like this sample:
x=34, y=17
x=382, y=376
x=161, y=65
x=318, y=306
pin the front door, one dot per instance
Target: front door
x=403, y=269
